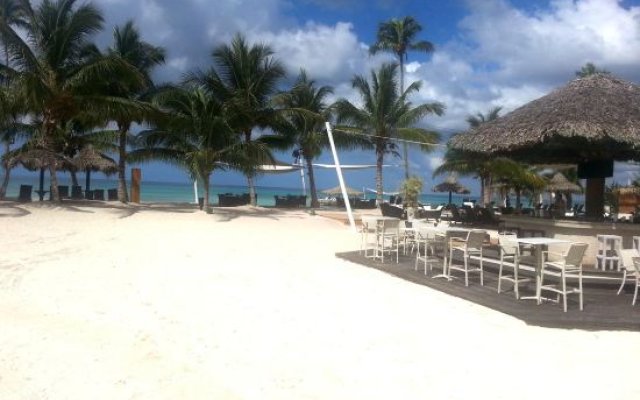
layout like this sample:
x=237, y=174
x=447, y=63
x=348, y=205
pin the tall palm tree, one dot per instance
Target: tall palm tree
x=309, y=138
x=398, y=36
x=12, y=107
x=10, y=15
x=478, y=119
x=128, y=46
x=59, y=74
x=386, y=114
x=195, y=135
x=244, y=78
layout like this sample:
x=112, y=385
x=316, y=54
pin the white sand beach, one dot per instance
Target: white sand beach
x=171, y=303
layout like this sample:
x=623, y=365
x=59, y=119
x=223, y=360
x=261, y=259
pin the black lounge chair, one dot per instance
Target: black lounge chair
x=290, y=201
x=88, y=194
x=98, y=194
x=112, y=194
x=389, y=210
x=76, y=193
x=24, y=195
x=233, y=200
x=364, y=204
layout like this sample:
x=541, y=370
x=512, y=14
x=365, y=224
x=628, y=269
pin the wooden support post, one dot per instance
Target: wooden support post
x=594, y=198
x=136, y=179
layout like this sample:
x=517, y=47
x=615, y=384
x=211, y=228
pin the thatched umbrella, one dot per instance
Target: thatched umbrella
x=337, y=191
x=591, y=122
x=451, y=185
x=559, y=183
x=88, y=159
x=41, y=159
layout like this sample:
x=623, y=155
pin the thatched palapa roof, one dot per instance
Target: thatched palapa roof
x=559, y=183
x=451, y=185
x=337, y=191
x=89, y=158
x=596, y=117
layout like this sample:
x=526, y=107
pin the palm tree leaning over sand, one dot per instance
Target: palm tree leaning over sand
x=398, y=37
x=309, y=136
x=244, y=78
x=386, y=114
x=194, y=134
x=58, y=75
x=128, y=46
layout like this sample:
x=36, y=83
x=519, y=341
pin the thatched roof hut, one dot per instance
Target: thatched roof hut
x=451, y=185
x=337, y=191
x=89, y=158
x=559, y=183
x=597, y=117
x=590, y=122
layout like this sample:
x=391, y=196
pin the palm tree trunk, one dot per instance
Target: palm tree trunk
x=205, y=183
x=379, y=162
x=252, y=190
x=518, y=202
x=123, y=197
x=405, y=146
x=74, y=178
x=7, y=173
x=55, y=195
x=312, y=183
x=483, y=188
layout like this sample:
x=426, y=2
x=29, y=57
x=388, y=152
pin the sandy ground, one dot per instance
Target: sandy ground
x=172, y=303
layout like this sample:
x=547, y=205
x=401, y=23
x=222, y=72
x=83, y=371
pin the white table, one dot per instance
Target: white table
x=537, y=243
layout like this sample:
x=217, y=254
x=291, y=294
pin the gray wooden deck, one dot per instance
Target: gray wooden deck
x=603, y=309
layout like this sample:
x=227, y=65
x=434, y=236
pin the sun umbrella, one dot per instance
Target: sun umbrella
x=559, y=183
x=89, y=159
x=40, y=159
x=451, y=185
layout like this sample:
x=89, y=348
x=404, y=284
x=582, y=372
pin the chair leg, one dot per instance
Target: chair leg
x=415, y=267
x=500, y=271
x=564, y=290
x=580, y=288
x=481, y=270
x=516, y=266
x=635, y=292
x=541, y=283
x=466, y=268
x=624, y=279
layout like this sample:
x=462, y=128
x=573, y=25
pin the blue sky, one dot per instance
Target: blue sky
x=488, y=53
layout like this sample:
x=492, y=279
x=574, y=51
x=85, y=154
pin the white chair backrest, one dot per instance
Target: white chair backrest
x=369, y=223
x=627, y=256
x=575, y=254
x=475, y=238
x=389, y=225
x=508, y=243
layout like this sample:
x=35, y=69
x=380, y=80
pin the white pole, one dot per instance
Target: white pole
x=195, y=191
x=304, y=186
x=340, y=179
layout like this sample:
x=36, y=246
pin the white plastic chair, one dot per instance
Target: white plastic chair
x=368, y=236
x=570, y=266
x=510, y=249
x=427, y=239
x=470, y=246
x=631, y=269
x=387, y=238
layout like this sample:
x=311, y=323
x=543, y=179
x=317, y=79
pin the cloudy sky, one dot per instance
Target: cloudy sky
x=488, y=52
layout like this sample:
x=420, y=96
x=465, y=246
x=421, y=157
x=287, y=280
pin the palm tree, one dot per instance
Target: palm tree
x=521, y=179
x=479, y=118
x=590, y=69
x=59, y=73
x=244, y=79
x=195, y=135
x=398, y=37
x=479, y=165
x=309, y=138
x=128, y=46
x=386, y=114
x=10, y=15
x=12, y=107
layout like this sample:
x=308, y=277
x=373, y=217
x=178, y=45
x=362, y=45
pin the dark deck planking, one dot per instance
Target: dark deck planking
x=603, y=309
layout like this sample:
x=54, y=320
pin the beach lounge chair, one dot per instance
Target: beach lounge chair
x=112, y=194
x=389, y=210
x=24, y=195
x=98, y=194
x=76, y=193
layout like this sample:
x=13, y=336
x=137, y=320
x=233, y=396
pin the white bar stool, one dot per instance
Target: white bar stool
x=608, y=251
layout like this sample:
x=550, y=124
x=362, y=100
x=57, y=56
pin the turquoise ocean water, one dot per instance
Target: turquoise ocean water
x=182, y=192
